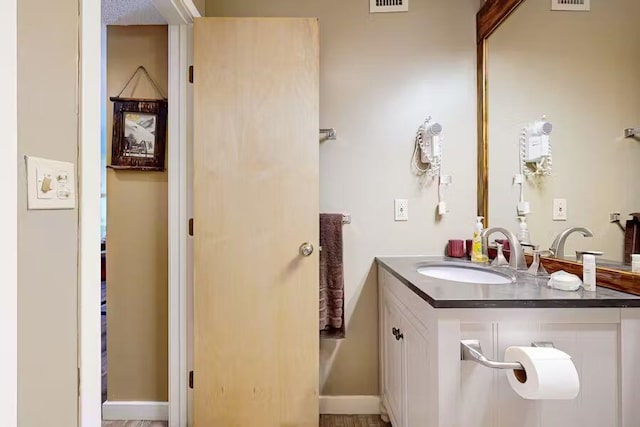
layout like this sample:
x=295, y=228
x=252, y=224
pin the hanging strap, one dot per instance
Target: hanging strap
x=146, y=73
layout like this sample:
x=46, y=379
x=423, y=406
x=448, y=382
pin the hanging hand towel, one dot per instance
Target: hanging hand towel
x=331, y=277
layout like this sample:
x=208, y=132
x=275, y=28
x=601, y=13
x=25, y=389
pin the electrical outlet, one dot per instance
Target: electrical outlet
x=559, y=209
x=614, y=217
x=402, y=209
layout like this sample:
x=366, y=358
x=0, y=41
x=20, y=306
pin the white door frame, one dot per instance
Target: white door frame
x=9, y=215
x=90, y=350
x=179, y=265
x=179, y=14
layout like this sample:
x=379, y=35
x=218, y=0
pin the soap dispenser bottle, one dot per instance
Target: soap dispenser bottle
x=523, y=233
x=476, y=251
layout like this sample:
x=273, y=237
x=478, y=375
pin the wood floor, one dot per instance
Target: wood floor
x=352, y=421
x=325, y=421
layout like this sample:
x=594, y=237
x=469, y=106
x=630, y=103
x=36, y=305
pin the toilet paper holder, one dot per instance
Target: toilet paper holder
x=471, y=350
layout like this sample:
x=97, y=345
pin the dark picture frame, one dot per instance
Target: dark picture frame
x=139, y=134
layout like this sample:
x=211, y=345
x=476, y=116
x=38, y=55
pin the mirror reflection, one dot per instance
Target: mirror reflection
x=562, y=88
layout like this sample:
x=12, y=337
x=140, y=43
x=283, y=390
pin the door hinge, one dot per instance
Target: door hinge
x=190, y=226
x=191, y=380
x=78, y=381
x=190, y=73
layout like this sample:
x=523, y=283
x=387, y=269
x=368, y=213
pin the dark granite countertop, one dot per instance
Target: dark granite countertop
x=526, y=292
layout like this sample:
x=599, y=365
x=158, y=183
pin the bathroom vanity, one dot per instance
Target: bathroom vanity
x=424, y=382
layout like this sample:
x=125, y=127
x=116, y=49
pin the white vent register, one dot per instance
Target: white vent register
x=385, y=6
x=571, y=5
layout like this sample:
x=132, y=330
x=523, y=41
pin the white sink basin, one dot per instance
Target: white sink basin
x=465, y=274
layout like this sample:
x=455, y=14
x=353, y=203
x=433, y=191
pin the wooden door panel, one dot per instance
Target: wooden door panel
x=256, y=90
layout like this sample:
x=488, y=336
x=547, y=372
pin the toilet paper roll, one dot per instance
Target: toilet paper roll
x=548, y=373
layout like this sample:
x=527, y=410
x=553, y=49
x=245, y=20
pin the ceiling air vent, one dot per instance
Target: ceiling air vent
x=573, y=5
x=384, y=6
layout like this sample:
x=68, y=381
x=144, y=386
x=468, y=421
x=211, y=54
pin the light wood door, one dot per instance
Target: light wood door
x=256, y=339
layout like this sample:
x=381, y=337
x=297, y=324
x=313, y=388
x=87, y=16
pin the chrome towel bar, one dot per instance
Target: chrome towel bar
x=471, y=350
x=329, y=133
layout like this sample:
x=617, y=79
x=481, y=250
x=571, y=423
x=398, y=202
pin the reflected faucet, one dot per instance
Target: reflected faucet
x=516, y=258
x=557, y=247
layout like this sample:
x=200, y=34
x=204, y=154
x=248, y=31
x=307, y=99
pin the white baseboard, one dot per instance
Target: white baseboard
x=350, y=405
x=159, y=411
x=143, y=411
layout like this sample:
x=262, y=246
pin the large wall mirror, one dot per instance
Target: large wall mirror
x=581, y=69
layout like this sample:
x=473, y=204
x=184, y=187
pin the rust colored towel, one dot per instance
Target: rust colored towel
x=331, y=277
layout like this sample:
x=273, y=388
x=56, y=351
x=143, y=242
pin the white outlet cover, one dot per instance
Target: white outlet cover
x=50, y=184
x=401, y=209
x=559, y=209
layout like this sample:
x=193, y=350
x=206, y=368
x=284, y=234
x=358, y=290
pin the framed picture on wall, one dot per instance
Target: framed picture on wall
x=139, y=134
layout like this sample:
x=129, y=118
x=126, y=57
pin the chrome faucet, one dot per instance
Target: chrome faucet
x=516, y=259
x=557, y=247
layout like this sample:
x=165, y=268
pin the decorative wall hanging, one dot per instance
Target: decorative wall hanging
x=139, y=130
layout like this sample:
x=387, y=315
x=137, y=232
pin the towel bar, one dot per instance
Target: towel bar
x=471, y=350
x=330, y=133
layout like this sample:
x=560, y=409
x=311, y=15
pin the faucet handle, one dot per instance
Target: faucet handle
x=537, y=269
x=500, y=259
x=579, y=254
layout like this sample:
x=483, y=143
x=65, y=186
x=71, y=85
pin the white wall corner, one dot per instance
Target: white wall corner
x=8, y=216
x=135, y=410
x=350, y=405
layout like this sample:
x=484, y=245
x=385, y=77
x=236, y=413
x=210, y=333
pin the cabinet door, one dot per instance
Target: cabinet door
x=416, y=374
x=393, y=358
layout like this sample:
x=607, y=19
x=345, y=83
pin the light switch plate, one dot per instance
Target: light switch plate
x=559, y=209
x=50, y=184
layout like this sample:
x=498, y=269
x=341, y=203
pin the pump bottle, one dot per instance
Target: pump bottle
x=476, y=252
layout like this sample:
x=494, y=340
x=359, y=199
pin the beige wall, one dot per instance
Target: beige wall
x=380, y=76
x=136, y=236
x=47, y=245
x=583, y=71
x=200, y=5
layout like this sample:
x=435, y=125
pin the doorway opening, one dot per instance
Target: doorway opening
x=133, y=218
x=179, y=15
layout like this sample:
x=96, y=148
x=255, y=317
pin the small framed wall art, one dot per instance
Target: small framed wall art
x=139, y=134
x=139, y=130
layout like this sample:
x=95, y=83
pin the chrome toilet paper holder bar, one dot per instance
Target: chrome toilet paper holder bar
x=471, y=350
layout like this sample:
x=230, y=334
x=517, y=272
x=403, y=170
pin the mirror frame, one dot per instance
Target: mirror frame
x=489, y=18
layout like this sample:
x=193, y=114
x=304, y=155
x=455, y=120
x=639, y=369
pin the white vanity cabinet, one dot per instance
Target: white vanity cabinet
x=404, y=352
x=425, y=384
x=393, y=350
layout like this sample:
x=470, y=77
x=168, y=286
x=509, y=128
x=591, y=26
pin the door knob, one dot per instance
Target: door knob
x=306, y=249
